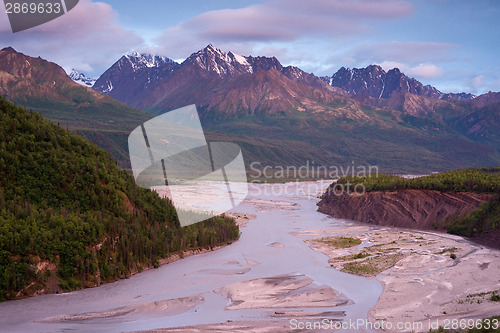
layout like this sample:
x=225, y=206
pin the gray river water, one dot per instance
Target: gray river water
x=204, y=273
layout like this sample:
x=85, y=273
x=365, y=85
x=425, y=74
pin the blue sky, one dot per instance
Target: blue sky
x=451, y=44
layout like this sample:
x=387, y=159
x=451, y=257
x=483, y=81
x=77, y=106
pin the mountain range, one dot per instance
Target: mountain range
x=339, y=118
x=148, y=74
x=282, y=115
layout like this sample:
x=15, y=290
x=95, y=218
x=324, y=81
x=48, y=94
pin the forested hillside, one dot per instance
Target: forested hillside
x=481, y=180
x=71, y=218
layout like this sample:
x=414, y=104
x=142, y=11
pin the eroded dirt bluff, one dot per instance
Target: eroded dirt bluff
x=418, y=209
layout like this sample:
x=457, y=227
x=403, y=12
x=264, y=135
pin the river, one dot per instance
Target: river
x=270, y=245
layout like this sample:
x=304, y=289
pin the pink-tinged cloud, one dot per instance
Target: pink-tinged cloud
x=406, y=52
x=279, y=21
x=382, y=9
x=86, y=36
x=419, y=71
x=478, y=81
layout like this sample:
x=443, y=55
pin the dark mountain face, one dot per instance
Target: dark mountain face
x=132, y=74
x=374, y=82
x=368, y=81
x=458, y=97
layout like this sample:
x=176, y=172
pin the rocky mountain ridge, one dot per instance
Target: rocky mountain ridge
x=358, y=83
x=375, y=82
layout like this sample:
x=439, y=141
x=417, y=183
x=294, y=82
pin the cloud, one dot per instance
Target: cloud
x=482, y=83
x=422, y=60
x=87, y=38
x=278, y=21
x=419, y=71
x=478, y=82
x=412, y=52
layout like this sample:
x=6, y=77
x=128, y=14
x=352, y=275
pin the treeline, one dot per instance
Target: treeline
x=65, y=201
x=480, y=180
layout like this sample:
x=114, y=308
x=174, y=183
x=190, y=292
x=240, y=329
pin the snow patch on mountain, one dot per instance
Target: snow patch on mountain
x=240, y=59
x=139, y=60
x=81, y=78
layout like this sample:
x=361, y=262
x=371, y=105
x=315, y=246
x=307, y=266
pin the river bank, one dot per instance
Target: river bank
x=268, y=278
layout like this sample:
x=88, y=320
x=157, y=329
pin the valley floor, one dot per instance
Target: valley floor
x=429, y=279
x=284, y=270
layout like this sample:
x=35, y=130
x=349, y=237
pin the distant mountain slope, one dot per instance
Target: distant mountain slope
x=482, y=124
x=70, y=218
x=487, y=99
x=44, y=87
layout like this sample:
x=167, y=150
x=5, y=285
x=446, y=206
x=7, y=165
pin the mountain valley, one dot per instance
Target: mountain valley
x=280, y=115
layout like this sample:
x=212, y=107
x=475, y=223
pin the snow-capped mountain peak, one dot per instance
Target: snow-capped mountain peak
x=219, y=62
x=81, y=78
x=132, y=73
x=140, y=60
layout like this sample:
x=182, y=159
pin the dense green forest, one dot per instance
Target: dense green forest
x=481, y=180
x=65, y=203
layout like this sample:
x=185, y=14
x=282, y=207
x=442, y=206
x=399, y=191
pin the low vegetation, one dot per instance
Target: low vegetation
x=487, y=296
x=64, y=203
x=372, y=266
x=341, y=242
x=482, y=180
